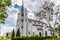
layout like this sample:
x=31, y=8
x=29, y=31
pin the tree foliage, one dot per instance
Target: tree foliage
x=18, y=33
x=13, y=34
x=3, y=12
x=47, y=12
x=47, y=8
x=7, y=34
x=58, y=27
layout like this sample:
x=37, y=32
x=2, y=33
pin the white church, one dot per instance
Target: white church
x=29, y=27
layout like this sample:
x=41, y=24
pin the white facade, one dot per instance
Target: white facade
x=29, y=27
x=33, y=27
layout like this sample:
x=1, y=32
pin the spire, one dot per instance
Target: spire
x=22, y=9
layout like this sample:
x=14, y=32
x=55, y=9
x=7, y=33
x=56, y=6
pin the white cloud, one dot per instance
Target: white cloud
x=6, y=28
x=10, y=22
x=19, y=2
x=12, y=18
x=57, y=2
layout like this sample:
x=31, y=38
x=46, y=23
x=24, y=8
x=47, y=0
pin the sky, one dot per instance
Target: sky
x=13, y=10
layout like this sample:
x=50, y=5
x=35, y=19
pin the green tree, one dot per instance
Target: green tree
x=13, y=33
x=48, y=13
x=3, y=12
x=58, y=29
x=18, y=33
x=47, y=9
x=7, y=34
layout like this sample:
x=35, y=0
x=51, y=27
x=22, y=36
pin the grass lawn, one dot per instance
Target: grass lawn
x=5, y=38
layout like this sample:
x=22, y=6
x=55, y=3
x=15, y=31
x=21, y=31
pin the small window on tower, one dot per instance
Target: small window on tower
x=22, y=20
x=45, y=33
x=29, y=32
x=34, y=22
x=33, y=33
x=22, y=27
x=22, y=14
x=29, y=21
x=40, y=33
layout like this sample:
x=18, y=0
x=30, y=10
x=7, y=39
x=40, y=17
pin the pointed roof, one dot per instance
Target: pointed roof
x=22, y=9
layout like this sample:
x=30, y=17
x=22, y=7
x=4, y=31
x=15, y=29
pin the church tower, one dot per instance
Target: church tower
x=22, y=21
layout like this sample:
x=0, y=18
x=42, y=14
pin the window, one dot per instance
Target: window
x=29, y=32
x=17, y=25
x=39, y=28
x=29, y=21
x=22, y=27
x=26, y=19
x=22, y=20
x=40, y=33
x=45, y=33
x=33, y=33
x=22, y=14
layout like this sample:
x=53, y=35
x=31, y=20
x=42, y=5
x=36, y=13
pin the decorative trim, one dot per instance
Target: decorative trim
x=37, y=25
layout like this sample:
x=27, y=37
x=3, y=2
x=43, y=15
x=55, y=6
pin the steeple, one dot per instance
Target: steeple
x=22, y=9
x=22, y=22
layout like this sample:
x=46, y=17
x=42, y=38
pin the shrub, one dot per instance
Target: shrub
x=7, y=34
x=35, y=38
x=18, y=33
x=28, y=38
x=13, y=33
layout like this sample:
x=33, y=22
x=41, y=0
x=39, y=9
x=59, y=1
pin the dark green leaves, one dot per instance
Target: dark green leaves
x=3, y=12
x=18, y=33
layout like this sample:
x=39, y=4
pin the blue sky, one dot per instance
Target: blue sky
x=31, y=5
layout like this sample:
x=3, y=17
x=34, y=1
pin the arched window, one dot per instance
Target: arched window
x=45, y=33
x=22, y=27
x=33, y=33
x=22, y=14
x=29, y=21
x=53, y=33
x=40, y=34
x=22, y=20
x=29, y=32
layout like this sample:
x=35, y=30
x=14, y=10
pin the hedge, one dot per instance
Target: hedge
x=35, y=38
x=28, y=38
